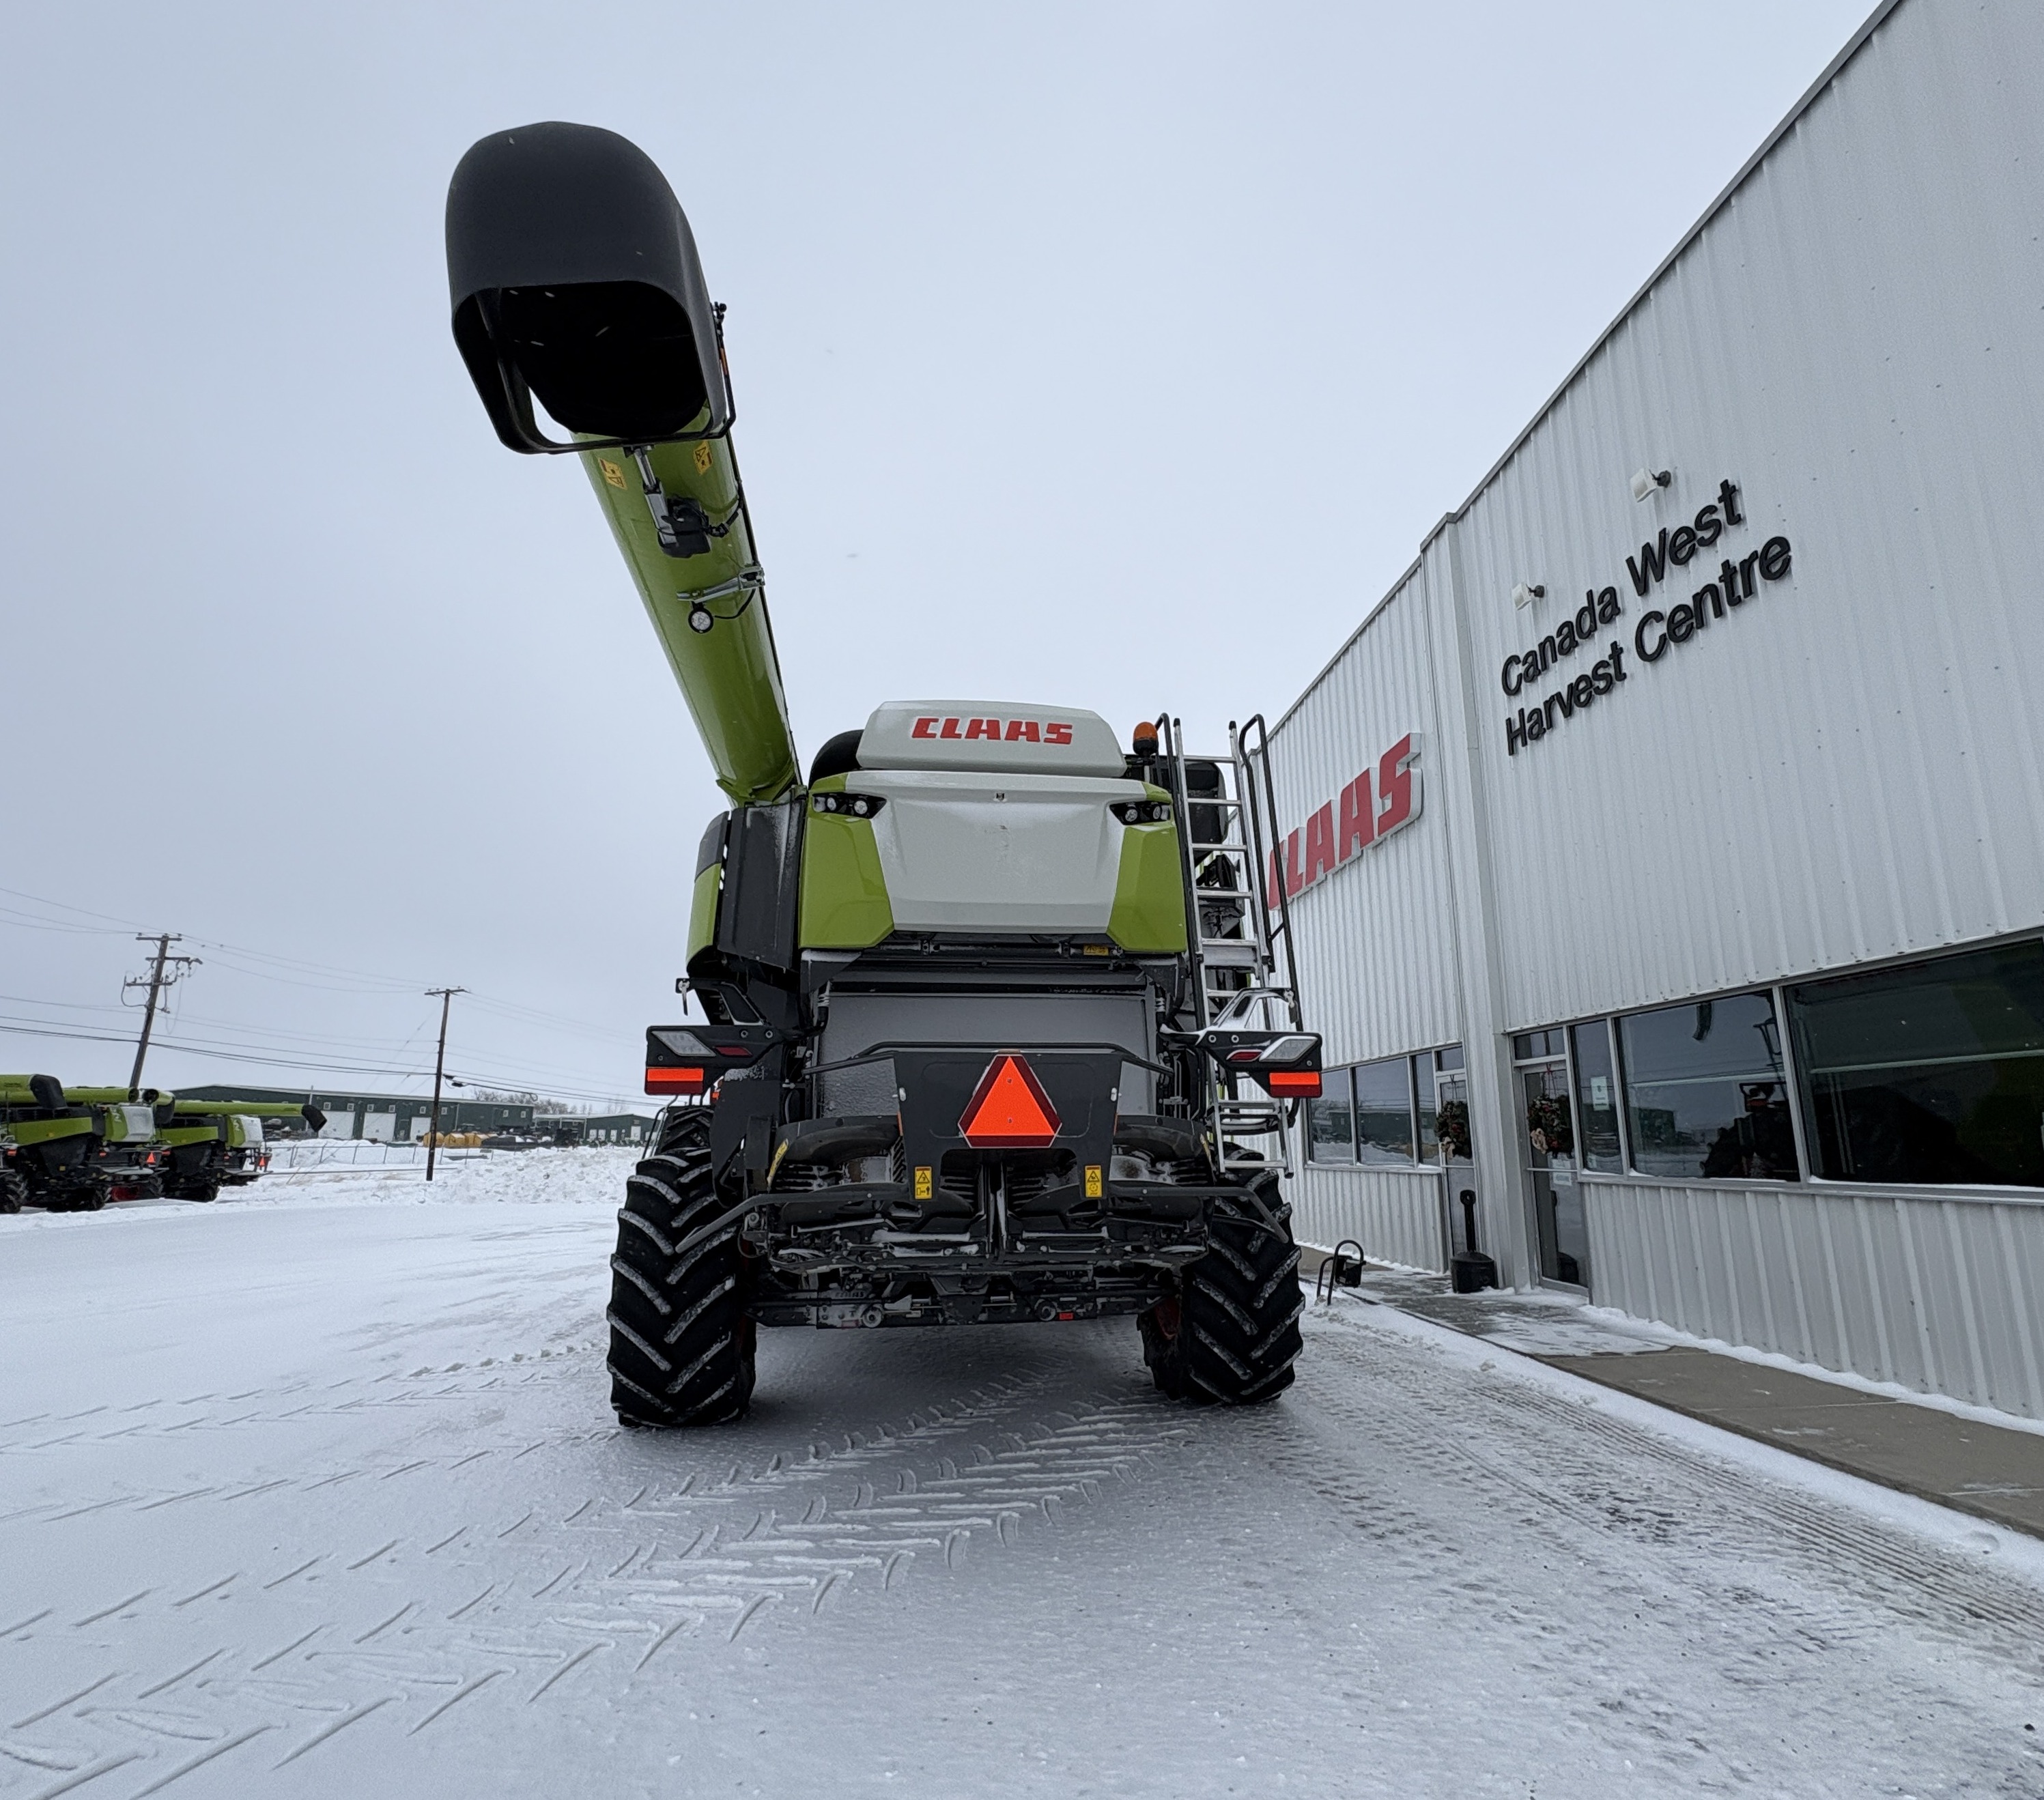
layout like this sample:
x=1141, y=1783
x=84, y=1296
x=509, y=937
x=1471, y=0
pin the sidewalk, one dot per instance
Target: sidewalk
x=1993, y=1471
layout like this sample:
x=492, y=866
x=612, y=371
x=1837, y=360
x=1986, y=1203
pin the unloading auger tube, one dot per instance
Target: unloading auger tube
x=575, y=283
x=991, y=1029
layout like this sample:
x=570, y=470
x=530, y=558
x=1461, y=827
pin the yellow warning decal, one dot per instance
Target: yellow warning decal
x=1094, y=1187
x=612, y=472
x=926, y=1182
x=702, y=456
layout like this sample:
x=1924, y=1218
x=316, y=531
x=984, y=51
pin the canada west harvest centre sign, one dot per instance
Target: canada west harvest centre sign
x=1381, y=801
x=1656, y=631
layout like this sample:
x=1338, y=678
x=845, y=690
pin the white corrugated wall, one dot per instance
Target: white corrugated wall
x=1851, y=766
x=1943, y=1294
x=1394, y=1214
x=1375, y=933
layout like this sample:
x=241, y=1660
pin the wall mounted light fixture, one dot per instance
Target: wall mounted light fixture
x=1646, y=481
x=1525, y=596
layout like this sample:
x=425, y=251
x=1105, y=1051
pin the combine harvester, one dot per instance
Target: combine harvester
x=72, y=1150
x=205, y=1146
x=999, y=1026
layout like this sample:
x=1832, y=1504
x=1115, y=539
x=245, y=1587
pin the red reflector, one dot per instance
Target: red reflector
x=1243, y=1056
x=1009, y=1110
x=1304, y=1081
x=674, y=1080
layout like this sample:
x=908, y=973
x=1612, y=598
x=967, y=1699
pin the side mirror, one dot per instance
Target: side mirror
x=574, y=277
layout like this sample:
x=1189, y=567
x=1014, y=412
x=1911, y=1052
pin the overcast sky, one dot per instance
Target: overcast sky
x=1115, y=355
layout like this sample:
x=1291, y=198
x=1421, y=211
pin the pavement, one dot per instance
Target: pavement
x=1994, y=1471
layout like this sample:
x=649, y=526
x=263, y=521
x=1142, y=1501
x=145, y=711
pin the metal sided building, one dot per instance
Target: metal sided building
x=382, y=1119
x=1665, y=852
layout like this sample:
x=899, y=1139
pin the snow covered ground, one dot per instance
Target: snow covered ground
x=314, y=1491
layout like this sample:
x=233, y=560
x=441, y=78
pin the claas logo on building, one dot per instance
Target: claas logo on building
x=1364, y=814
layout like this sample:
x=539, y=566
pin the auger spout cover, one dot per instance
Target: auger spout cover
x=577, y=292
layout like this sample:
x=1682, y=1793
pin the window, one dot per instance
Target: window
x=1424, y=1114
x=1932, y=1073
x=1705, y=1092
x=1384, y=1111
x=1529, y=1046
x=1596, y=1098
x=1330, y=1121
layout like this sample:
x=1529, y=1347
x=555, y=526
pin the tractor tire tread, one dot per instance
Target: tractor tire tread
x=682, y=1338
x=1232, y=1333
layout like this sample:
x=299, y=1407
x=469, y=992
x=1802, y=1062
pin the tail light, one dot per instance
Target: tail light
x=687, y=1060
x=1284, y=1063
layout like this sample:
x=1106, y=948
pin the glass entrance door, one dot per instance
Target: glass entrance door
x=1551, y=1159
x=1444, y=1129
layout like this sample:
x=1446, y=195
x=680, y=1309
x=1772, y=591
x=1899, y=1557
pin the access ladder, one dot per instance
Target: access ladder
x=1239, y=938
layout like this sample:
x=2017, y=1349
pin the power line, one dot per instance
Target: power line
x=273, y=1047
x=477, y=1078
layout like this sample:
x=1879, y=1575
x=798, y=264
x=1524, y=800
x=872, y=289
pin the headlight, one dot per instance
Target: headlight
x=1142, y=812
x=853, y=806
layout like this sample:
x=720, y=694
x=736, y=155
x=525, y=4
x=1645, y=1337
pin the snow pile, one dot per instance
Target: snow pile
x=592, y=1175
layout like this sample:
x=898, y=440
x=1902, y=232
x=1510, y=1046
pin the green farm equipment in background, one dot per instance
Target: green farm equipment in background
x=207, y=1145
x=72, y=1150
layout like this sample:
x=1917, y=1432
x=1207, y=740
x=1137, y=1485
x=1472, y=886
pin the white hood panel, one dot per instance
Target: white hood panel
x=977, y=852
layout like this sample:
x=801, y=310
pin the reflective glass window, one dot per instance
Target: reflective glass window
x=1451, y=1059
x=1705, y=1093
x=1330, y=1121
x=1596, y=1098
x=1932, y=1073
x=1424, y=1111
x=1384, y=1111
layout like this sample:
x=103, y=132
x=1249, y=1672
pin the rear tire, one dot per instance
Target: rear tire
x=1231, y=1333
x=682, y=1341
x=14, y=1190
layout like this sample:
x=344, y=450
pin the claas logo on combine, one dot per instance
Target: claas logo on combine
x=997, y=730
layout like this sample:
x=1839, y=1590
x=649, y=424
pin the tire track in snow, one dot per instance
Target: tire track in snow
x=697, y=1565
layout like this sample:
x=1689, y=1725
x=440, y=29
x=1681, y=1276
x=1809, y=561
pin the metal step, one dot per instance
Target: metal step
x=1230, y=953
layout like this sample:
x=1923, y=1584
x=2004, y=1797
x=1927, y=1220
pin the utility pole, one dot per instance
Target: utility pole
x=440, y=1065
x=156, y=980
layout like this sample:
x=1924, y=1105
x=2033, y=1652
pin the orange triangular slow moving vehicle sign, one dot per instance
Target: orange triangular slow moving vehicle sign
x=1009, y=1110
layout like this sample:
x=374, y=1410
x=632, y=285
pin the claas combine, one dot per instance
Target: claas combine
x=997, y=1020
x=72, y=1150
